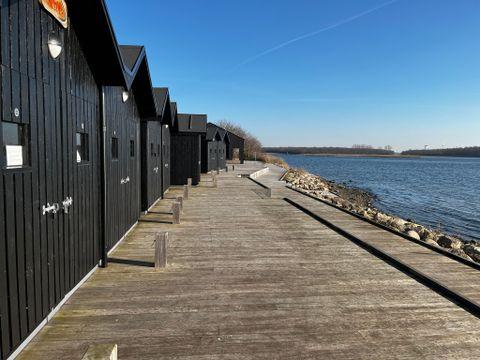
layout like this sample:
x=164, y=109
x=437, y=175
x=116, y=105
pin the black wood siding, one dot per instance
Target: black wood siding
x=151, y=145
x=123, y=172
x=166, y=158
x=210, y=161
x=43, y=257
x=236, y=142
x=221, y=155
x=185, y=158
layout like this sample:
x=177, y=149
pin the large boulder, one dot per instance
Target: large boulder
x=449, y=242
x=381, y=218
x=431, y=241
x=413, y=234
x=398, y=223
x=473, y=251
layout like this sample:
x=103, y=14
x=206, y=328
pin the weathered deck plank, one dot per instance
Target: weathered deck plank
x=254, y=278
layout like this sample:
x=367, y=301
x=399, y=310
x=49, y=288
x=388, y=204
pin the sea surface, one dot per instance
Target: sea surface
x=439, y=192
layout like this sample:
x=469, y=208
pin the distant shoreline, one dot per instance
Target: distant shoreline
x=362, y=155
x=352, y=155
x=395, y=156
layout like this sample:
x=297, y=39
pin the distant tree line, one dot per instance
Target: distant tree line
x=253, y=146
x=459, y=152
x=354, y=150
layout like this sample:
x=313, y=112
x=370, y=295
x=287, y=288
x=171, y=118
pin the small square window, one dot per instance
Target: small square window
x=16, y=145
x=115, y=148
x=82, y=148
x=132, y=148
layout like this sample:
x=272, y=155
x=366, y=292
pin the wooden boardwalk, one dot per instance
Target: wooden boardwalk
x=254, y=278
x=457, y=276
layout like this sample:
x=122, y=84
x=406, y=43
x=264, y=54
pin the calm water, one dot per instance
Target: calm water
x=442, y=193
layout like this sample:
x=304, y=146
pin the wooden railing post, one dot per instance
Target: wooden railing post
x=214, y=179
x=180, y=201
x=189, y=182
x=176, y=212
x=185, y=192
x=161, y=248
x=233, y=167
x=101, y=352
x=268, y=192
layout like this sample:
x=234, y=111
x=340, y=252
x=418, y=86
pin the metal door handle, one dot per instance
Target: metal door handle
x=66, y=204
x=50, y=209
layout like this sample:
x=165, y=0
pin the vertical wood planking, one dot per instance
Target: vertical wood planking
x=4, y=308
x=43, y=257
x=12, y=260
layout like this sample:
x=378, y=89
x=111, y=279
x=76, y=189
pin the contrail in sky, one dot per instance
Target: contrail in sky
x=316, y=32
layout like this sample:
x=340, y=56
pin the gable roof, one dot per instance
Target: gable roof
x=164, y=106
x=161, y=96
x=173, y=110
x=213, y=130
x=131, y=55
x=91, y=20
x=137, y=76
x=235, y=140
x=192, y=123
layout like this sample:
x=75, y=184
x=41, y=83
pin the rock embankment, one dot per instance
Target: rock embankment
x=360, y=202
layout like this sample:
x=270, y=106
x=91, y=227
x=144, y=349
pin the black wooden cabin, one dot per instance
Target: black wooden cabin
x=222, y=149
x=214, y=149
x=124, y=111
x=186, y=148
x=235, y=147
x=155, y=150
x=60, y=86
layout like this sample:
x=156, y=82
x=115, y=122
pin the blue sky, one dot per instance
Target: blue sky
x=404, y=73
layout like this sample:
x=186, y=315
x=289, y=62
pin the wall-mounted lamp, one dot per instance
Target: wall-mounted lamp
x=125, y=96
x=54, y=46
x=166, y=126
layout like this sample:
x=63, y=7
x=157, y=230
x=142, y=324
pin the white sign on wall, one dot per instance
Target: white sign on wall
x=14, y=155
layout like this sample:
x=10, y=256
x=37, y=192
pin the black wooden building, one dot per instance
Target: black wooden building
x=50, y=173
x=235, y=147
x=124, y=110
x=186, y=148
x=155, y=150
x=214, y=149
x=71, y=101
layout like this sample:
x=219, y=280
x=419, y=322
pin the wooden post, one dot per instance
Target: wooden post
x=176, y=212
x=214, y=179
x=189, y=182
x=268, y=192
x=185, y=192
x=218, y=171
x=101, y=352
x=226, y=169
x=161, y=246
x=233, y=167
x=180, y=201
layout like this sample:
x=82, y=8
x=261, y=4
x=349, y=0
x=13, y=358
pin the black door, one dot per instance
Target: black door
x=166, y=157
